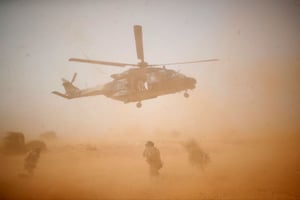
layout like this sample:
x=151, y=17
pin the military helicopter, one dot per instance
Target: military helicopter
x=144, y=81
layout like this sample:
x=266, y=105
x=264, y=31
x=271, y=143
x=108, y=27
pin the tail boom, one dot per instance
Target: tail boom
x=61, y=95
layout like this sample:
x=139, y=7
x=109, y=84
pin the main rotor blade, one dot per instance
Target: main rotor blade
x=101, y=62
x=139, y=42
x=189, y=62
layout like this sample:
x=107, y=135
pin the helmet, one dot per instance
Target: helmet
x=149, y=144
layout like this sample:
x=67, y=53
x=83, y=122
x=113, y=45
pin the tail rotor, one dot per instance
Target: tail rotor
x=70, y=89
x=74, y=77
x=72, y=81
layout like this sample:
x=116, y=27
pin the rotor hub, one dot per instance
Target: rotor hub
x=143, y=64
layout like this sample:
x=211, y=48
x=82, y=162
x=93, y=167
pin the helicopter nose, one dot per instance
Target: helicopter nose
x=192, y=81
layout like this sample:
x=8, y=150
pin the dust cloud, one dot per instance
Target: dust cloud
x=243, y=116
x=112, y=167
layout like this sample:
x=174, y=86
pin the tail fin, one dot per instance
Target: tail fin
x=70, y=90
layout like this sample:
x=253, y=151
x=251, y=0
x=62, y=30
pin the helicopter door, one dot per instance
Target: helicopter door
x=141, y=85
x=146, y=85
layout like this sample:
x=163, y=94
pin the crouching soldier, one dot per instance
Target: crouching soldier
x=31, y=160
x=152, y=155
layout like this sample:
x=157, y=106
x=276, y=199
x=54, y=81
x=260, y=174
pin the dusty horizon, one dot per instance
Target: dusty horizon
x=112, y=167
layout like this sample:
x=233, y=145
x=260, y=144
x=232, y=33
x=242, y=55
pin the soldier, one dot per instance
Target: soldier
x=152, y=155
x=31, y=160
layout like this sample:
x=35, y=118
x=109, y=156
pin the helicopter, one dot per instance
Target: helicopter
x=143, y=81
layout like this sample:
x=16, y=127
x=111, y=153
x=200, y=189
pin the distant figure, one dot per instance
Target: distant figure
x=14, y=143
x=152, y=155
x=197, y=156
x=31, y=160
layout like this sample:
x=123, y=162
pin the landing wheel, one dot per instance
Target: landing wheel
x=186, y=95
x=139, y=104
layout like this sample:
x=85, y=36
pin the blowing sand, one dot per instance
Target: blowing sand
x=241, y=168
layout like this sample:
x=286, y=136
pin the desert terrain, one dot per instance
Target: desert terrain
x=240, y=167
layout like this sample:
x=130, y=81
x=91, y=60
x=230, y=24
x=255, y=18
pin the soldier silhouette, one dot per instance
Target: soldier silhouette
x=31, y=160
x=152, y=156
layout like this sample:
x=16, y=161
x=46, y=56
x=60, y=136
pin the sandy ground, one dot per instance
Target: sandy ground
x=263, y=168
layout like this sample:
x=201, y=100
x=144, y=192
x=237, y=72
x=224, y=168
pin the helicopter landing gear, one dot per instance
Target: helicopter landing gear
x=139, y=104
x=186, y=95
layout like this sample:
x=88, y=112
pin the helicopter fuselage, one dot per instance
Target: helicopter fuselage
x=135, y=85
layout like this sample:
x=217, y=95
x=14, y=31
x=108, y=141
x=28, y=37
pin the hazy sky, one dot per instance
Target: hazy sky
x=254, y=87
